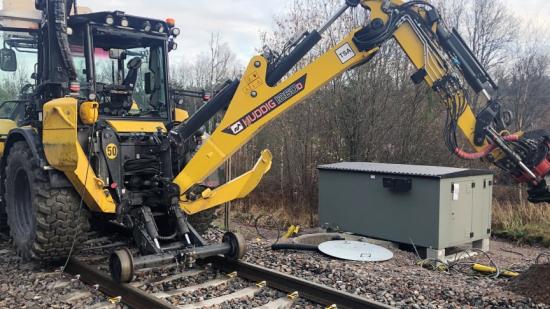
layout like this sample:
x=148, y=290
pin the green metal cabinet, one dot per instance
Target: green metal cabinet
x=433, y=207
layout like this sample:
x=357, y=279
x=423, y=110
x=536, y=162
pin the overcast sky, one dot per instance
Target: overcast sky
x=240, y=21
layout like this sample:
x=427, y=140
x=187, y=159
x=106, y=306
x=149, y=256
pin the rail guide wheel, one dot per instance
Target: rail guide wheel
x=121, y=265
x=237, y=243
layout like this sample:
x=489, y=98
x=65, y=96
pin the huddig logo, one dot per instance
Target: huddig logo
x=266, y=107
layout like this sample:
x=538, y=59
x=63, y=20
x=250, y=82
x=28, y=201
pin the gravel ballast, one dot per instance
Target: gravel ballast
x=33, y=285
x=400, y=282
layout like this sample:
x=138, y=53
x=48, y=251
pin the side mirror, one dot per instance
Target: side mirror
x=8, y=60
x=149, y=81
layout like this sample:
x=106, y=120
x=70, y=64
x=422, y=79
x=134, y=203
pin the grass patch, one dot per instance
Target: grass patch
x=528, y=223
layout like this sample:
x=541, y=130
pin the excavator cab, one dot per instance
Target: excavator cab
x=88, y=134
x=121, y=62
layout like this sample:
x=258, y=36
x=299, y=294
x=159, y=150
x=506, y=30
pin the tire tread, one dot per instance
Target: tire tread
x=202, y=221
x=59, y=216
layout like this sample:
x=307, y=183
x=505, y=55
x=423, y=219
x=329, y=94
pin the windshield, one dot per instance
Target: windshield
x=130, y=79
x=17, y=84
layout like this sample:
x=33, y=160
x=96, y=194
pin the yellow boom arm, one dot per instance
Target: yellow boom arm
x=256, y=103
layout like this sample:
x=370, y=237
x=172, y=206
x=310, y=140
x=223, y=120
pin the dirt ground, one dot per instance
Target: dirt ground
x=534, y=283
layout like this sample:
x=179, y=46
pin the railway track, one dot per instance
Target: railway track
x=215, y=282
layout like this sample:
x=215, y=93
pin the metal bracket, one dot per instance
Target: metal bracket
x=236, y=188
x=484, y=119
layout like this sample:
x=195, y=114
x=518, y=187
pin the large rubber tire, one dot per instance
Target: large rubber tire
x=202, y=221
x=43, y=221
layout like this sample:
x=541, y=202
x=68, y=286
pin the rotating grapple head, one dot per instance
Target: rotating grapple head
x=534, y=150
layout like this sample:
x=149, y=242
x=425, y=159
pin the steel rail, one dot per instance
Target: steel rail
x=131, y=296
x=136, y=298
x=309, y=290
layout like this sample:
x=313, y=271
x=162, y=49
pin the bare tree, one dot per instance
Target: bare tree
x=485, y=25
x=210, y=68
x=526, y=88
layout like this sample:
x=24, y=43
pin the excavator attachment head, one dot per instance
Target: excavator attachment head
x=534, y=150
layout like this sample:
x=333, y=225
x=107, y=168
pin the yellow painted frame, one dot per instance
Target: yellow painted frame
x=237, y=188
x=130, y=126
x=64, y=153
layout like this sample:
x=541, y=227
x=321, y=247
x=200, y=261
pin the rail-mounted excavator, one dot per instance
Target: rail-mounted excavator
x=94, y=135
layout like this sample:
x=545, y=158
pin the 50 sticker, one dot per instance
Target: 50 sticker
x=111, y=151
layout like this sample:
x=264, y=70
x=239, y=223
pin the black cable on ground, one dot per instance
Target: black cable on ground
x=275, y=225
x=292, y=246
x=514, y=252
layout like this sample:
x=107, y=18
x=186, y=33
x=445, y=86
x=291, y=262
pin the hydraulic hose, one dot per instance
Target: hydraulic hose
x=478, y=155
x=61, y=14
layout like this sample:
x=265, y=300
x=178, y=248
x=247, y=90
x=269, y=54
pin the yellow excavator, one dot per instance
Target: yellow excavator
x=98, y=138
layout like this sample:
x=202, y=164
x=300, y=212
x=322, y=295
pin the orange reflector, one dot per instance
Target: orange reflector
x=171, y=22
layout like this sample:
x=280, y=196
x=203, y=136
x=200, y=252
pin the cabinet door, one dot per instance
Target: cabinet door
x=481, y=213
x=460, y=215
x=478, y=203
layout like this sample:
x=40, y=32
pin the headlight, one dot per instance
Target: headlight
x=176, y=31
x=146, y=26
x=110, y=20
x=124, y=22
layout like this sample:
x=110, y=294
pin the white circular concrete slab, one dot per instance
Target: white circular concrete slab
x=355, y=251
